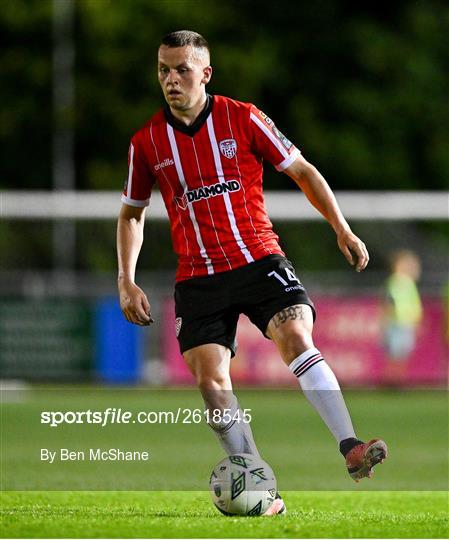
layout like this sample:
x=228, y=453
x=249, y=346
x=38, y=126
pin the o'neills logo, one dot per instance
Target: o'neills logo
x=165, y=163
x=205, y=192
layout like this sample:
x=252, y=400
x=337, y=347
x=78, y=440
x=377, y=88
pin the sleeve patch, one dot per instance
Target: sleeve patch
x=280, y=136
x=285, y=142
x=266, y=118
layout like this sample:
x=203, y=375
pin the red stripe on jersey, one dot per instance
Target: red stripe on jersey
x=211, y=182
x=174, y=212
x=226, y=196
x=200, y=224
x=219, y=234
x=186, y=237
x=231, y=168
x=248, y=214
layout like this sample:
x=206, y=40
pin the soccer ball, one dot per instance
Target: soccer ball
x=242, y=485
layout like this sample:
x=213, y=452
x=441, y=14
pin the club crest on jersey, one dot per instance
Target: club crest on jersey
x=228, y=147
x=194, y=195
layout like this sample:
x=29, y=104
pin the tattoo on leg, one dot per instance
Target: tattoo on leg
x=289, y=314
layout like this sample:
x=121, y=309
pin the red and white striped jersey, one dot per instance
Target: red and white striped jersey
x=210, y=177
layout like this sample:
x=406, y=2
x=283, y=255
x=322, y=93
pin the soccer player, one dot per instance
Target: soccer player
x=206, y=154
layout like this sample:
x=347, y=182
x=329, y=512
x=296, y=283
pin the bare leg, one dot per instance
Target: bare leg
x=210, y=366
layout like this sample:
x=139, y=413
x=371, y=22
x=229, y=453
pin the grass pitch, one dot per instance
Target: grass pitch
x=407, y=498
x=191, y=515
x=289, y=433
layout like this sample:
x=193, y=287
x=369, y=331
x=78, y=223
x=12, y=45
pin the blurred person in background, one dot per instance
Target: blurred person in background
x=402, y=314
x=206, y=154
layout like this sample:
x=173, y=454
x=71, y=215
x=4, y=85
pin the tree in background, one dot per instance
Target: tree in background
x=360, y=89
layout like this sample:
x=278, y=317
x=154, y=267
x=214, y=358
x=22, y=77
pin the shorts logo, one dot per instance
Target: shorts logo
x=178, y=324
x=206, y=192
x=228, y=148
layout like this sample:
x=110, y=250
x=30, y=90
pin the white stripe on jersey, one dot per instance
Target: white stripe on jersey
x=288, y=161
x=227, y=199
x=135, y=202
x=173, y=191
x=130, y=172
x=243, y=187
x=178, y=165
x=208, y=206
x=288, y=158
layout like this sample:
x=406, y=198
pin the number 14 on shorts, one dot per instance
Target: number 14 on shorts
x=290, y=276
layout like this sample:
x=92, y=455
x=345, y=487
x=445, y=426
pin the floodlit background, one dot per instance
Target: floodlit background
x=362, y=91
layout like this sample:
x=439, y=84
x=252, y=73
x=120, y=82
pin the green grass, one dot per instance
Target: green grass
x=165, y=497
x=289, y=433
x=191, y=515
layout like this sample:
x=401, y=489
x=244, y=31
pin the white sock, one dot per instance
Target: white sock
x=321, y=388
x=235, y=436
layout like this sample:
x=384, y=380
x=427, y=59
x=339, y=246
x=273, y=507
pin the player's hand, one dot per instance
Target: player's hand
x=353, y=249
x=134, y=304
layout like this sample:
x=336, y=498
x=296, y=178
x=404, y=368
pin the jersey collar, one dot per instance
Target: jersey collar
x=195, y=126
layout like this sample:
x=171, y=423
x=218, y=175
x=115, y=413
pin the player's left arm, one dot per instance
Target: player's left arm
x=318, y=192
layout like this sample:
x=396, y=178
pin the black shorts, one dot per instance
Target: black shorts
x=208, y=308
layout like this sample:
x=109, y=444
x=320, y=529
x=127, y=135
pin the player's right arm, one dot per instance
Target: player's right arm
x=133, y=301
x=135, y=198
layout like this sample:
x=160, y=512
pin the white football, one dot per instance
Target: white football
x=242, y=485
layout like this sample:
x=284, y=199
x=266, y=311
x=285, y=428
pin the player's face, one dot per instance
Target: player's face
x=183, y=74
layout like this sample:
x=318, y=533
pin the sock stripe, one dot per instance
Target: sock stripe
x=228, y=427
x=223, y=429
x=322, y=390
x=317, y=356
x=310, y=366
